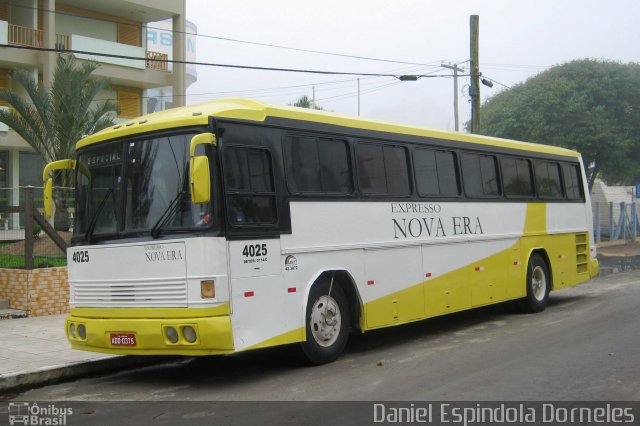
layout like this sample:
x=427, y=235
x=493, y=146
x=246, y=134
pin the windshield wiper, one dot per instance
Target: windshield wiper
x=96, y=214
x=168, y=214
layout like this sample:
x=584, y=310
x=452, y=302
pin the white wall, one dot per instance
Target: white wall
x=95, y=28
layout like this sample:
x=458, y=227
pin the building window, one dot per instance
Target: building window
x=4, y=84
x=129, y=102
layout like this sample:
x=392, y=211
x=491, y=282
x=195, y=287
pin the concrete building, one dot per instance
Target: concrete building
x=119, y=27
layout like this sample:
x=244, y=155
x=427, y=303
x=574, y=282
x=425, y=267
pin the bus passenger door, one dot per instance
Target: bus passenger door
x=256, y=291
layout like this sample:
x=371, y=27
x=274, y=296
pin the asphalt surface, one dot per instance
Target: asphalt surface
x=585, y=346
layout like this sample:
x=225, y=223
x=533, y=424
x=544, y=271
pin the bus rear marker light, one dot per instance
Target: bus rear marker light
x=248, y=294
x=428, y=275
x=291, y=290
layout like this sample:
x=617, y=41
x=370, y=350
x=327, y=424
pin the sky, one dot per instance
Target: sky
x=517, y=40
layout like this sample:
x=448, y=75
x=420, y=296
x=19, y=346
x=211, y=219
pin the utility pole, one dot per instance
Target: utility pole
x=474, y=90
x=313, y=97
x=455, y=69
x=358, y=97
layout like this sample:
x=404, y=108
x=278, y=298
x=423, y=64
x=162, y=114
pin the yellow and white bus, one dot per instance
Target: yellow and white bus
x=233, y=225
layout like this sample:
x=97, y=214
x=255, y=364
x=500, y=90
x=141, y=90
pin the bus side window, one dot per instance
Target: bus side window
x=480, y=175
x=383, y=169
x=516, y=176
x=571, y=177
x=250, y=191
x=548, y=180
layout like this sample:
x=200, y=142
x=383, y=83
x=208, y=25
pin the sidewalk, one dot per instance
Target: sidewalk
x=35, y=351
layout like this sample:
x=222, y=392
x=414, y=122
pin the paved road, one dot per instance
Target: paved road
x=585, y=346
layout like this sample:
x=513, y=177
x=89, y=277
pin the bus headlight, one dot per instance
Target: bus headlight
x=72, y=330
x=172, y=334
x=189, y=333
x=82, y=331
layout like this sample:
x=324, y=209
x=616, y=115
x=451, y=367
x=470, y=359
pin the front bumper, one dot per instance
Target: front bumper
x=148, y=326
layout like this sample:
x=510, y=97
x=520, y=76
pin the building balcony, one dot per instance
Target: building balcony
x=32, y=37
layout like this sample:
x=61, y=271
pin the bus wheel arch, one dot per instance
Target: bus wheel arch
x=330, y=314
x=539, y=282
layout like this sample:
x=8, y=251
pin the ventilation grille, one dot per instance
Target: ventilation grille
x=582, y=253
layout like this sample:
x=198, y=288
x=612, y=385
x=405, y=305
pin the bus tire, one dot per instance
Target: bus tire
x=327, y=323
x=538, y=286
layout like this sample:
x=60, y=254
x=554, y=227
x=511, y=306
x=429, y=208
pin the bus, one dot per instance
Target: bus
x=233, y=225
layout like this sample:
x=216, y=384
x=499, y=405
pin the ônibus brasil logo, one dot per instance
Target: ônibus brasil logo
x=27, y=413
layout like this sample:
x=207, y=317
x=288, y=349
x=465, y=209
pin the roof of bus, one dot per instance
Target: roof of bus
x=244, y=109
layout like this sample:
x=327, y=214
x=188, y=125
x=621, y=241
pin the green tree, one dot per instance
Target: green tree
x=587, y=105
x=53, y=119
x=305, y=102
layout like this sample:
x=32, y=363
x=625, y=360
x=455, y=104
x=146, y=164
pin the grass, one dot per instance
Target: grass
x=17, y=261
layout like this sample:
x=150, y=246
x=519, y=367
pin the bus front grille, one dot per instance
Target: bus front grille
x=144, y=293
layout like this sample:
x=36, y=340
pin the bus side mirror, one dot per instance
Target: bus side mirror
x=48, y=197
x=48, y=182
x=199, y=172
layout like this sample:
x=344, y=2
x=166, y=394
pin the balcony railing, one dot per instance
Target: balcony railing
x=157, y=60
x=63, y=42
x=23, y=36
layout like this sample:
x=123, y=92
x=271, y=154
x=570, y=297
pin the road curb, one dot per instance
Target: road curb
x=54, y=374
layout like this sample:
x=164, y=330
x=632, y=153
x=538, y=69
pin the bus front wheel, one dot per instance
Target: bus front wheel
x=327, y=323
x=538, y=286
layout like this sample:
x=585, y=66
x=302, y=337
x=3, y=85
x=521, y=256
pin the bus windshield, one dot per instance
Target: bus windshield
x=136, y=186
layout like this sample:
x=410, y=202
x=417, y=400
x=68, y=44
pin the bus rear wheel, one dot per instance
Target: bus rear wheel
x=538, y=286
x=327, y=323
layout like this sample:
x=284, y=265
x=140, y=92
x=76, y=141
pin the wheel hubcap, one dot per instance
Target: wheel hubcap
x=539, y=283
x=326, y=321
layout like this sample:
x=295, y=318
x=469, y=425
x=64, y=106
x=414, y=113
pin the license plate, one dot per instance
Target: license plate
x=123, y=339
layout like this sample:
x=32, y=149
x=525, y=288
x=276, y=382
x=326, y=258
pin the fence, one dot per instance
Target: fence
x=27, y=240
x=615, y=221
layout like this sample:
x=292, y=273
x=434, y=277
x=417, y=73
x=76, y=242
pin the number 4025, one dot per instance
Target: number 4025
x=80, y=256
x=254, y=250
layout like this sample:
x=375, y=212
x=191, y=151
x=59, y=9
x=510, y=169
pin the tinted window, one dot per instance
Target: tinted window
x=516, y=176
x=436, y=173
x=382, y=169
x=480, y=175
x=371, y=174
x=572, y=186
x=317, y=165
x=249, y=181
x=548, y=179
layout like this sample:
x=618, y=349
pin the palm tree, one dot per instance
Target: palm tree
x=53, y=119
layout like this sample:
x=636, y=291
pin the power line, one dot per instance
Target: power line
x=210, y=64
